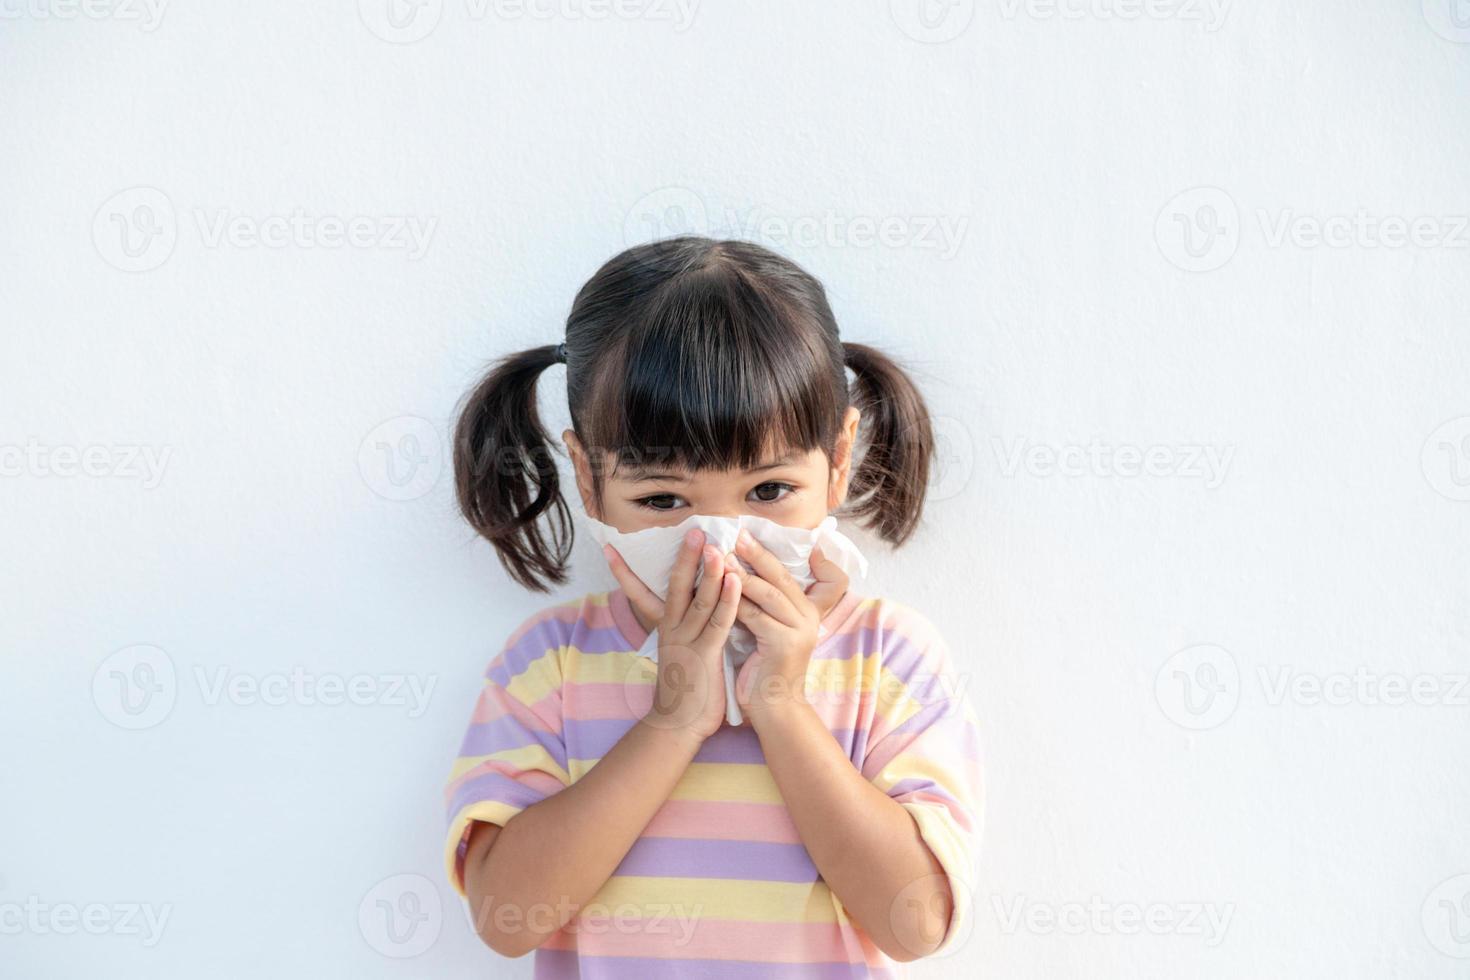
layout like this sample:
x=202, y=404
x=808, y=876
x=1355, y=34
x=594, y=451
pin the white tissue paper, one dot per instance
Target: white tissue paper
x=651, y=553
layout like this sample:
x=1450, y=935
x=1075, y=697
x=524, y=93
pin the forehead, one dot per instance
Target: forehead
x=646, y=465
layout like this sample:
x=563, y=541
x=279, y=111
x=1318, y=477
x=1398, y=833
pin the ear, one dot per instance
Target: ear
x=582, y=470
x=842, y=459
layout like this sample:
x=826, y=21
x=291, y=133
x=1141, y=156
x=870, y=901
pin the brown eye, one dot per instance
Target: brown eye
x=770, y=493
x=657, y=501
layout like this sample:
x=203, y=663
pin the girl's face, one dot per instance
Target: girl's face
x=797, y=490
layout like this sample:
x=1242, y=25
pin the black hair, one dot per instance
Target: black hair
x=695, y=353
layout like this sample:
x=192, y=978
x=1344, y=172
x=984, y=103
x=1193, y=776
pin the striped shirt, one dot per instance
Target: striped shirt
x=719, y=883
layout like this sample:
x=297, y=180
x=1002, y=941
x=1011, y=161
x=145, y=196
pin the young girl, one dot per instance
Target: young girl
x=602, y=811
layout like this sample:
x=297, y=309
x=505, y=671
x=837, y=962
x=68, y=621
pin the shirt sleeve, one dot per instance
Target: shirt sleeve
x=514, y=751
x=924, y=752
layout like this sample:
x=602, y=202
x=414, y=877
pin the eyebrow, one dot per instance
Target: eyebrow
x=641, y=474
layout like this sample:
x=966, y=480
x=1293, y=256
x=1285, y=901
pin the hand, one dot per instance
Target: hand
x=784, y=620
x=693, y=625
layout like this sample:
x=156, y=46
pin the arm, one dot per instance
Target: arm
x=552, y=857
x=865, y=844
x=529, y=878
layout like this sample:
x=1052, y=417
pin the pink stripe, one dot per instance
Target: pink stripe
x=765, y=822
x=598, y=616
x=697, y=938
x=543, y=716
x=594, y=701
x=566, y=612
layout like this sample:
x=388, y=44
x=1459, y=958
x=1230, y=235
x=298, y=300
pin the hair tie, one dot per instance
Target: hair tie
x=561, y=352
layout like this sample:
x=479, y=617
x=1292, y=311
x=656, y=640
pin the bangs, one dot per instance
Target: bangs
x=712, y=372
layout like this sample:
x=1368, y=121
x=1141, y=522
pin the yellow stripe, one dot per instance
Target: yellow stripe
x=541, y=677
x=609, y=668
x=723, y=898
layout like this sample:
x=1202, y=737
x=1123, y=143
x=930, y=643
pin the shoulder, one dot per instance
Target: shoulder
x=902, y=639
x=541, y=638
x=893, y=622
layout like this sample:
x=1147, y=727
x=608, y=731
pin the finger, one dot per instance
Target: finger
x=718, y=628
x=681, y=579
x=831, y=582
x=641, y=596
x=758, y=621
x=702, y=605
x=778, y=593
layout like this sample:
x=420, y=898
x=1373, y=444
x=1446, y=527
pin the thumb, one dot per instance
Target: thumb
x=831, y=581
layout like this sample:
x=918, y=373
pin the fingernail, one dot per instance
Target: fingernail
x=691, y=537
x=745, y=537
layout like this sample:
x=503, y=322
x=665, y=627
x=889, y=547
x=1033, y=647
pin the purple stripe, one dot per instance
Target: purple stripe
x=593, y=738
x=926, y=786
x=684, y=857
x=564, y=964
x=543, y=639
x=494, y=787
x=600, y=640
x=506, y=732
x=548, y=636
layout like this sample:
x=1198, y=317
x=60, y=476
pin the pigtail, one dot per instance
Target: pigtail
x=891, y=478
x=505, y=475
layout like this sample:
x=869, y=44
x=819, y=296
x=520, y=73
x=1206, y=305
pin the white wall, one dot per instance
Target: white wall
x=1033, y=174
